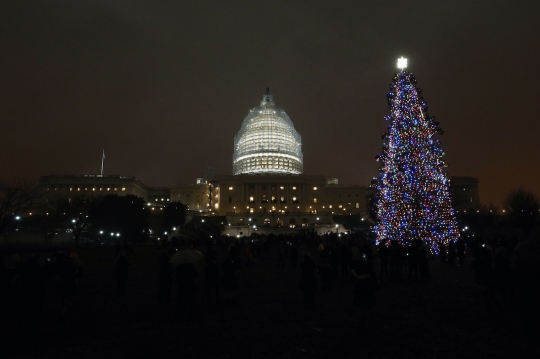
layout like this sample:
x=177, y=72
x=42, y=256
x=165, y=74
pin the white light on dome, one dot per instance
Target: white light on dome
x=267, y=142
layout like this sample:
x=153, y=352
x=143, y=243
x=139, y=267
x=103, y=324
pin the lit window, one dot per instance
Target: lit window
x=314, y=199
x=251, y=210
x=314, y=188
x=294, y=188
x=340, y=206
x=330, y=206
x=294, y=199
x=70, y=189
x=108, y=189
x=78, y=189
x=251, y=199
x=100, y=189
x=123, y=189
x=230, y=188
x=357, y=205
x=281, y=187
x=93, y=189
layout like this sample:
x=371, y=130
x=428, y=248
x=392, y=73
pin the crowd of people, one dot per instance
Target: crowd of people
x=26, y=285
x=505, y=271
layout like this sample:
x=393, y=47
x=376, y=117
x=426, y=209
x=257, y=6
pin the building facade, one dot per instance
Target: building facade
x=93, y=185
x=270, y=193
x=465, y=193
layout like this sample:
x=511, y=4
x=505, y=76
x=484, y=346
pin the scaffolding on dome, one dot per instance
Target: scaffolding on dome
x=267, y=142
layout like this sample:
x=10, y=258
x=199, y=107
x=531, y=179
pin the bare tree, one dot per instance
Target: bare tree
x=18, y=198
x=74, y=214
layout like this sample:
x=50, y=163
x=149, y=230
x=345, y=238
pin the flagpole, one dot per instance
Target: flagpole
x=102, y=158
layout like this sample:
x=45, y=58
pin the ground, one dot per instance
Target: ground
x=442, y=317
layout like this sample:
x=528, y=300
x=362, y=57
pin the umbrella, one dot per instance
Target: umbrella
x=186, y=256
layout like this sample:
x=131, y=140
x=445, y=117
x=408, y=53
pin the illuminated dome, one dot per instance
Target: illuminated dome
x=267, y=142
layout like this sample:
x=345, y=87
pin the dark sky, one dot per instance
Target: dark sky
x=163, y=86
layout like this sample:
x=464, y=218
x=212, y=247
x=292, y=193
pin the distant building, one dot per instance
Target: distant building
x=194, y=196
x=259, y=195
x=465, y=192
x=93, y=185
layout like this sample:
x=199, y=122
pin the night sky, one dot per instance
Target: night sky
x=163, y=86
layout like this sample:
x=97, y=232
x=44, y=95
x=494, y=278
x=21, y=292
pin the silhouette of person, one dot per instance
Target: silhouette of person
x=33, y=294
x=483, y=276
x=460, y=250
x=211, y=277
x=230, y=285
x=365, y=285
x=122, y=271
x=525, y=272
x=442, y=252
x=67, y=285
x=294, y=256
x=423, y=259
x=165, y=277
x=185, y=281
x=308, y=282
x=280, y=258
x=413, y=253
x=383, y=259
x=452, y=252
x=394, y=259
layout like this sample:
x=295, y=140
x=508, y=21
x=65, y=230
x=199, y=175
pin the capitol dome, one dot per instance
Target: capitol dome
x=267, y=142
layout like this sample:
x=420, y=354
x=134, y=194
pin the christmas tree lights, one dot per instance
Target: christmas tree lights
x=412, y=194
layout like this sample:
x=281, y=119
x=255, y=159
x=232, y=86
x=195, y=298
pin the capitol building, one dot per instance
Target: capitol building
x=267, y=189
x=268, y=186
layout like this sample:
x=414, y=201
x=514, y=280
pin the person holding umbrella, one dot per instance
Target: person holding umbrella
x=185, y=281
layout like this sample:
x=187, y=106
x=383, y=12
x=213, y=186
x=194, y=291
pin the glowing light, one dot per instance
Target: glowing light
x=267, y=142
x=402, y=63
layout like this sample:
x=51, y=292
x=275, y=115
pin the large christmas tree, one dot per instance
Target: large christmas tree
x=412, y=194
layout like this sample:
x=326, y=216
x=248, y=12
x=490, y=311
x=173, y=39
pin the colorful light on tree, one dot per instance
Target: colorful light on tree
x=412, y=194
